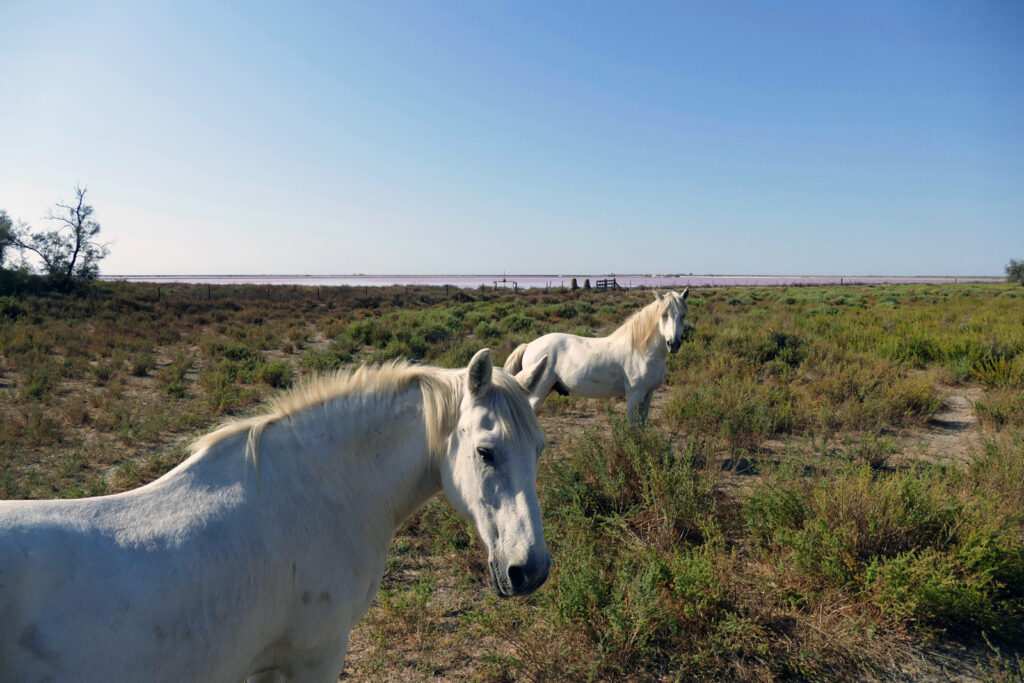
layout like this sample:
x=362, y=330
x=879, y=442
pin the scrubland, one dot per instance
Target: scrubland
x=784, y=514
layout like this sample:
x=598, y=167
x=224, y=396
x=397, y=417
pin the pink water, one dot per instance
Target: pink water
x=532, y=281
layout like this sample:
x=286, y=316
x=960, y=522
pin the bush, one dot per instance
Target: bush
x=962, y=586
x=637, y=468
x=742, y=413
x=275, y=373
x=172, y=378
x=142, y=362
x=640, y=583
x=332, y=357
x=222, y=384
x=369, y=332
x=1015, y=271
x=517, y=323
x=10, y=308
x=910, y=542
x=40, y=380
x=916, y=350
x=487, y=331
x=1001, y=408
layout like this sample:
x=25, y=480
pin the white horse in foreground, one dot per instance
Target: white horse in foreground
x=256, y=556
x=629, y=362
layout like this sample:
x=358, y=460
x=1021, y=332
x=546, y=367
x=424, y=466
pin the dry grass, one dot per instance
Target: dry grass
x=802, y=506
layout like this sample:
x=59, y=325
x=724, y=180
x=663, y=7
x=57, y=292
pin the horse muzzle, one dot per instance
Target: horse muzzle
x=674, y=347
x=520, y=579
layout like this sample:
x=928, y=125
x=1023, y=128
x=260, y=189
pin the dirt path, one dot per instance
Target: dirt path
x=951, y=436
x=952, y=433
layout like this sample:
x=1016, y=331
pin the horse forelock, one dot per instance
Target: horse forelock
x=515, y=417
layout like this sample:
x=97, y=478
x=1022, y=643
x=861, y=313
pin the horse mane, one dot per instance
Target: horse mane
x=641, y=327
x=441, y=398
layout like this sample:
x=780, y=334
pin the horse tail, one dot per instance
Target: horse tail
x=514, y=362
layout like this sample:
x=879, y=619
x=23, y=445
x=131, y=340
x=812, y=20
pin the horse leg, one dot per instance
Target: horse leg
x=634, y=401
x=645, y=405
x=544, y=387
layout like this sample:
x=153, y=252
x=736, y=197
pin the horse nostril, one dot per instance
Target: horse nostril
x=517, y=577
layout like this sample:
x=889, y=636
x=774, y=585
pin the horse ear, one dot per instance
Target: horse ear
x=530, y=377
x=685, y=293
x=478, y=377
x=657, y=295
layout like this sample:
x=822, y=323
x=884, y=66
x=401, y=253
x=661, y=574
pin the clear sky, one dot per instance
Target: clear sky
x=423, y=137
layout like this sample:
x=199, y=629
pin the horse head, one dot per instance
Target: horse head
x=490, y=472
x=673, y=317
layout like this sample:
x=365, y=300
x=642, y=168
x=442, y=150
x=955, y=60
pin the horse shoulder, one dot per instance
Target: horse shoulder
x=645, y=369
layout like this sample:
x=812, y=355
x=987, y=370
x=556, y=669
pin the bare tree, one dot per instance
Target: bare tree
x=70, y=252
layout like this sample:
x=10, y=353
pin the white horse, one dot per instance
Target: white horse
x=629, y=362
x=256, y=556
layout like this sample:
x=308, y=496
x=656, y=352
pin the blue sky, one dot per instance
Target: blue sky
x=523, y=137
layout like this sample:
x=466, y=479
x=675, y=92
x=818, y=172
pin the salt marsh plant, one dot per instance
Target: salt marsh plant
x=765, y=525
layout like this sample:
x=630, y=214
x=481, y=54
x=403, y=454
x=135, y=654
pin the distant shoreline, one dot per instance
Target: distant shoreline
x=523, y=281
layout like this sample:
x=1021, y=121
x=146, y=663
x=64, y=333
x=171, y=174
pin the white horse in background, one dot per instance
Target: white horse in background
x=629, y=362
x=257, y=555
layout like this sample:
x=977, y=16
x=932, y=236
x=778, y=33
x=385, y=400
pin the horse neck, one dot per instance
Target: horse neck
x=369, y=451
x=624, y=335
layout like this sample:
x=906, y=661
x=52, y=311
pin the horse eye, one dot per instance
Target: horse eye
x=486, y=454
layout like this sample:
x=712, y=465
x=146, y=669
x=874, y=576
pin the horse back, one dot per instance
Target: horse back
x=589, y=366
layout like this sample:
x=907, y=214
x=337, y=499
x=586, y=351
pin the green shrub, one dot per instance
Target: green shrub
x=10, y=308
x=275, y=373
x=823, y=310
x=640, y=582
x=237, y=352
x=909, y=541
x=40, y=380
x=742, y=412
x=1001, y=408
x=998, y=371
x=487, y=331
x=960, y=586
x=334, y=356
x=142, y=362
x=872, y=450
x=637, y=468
x=917, y=350
x=369, y=332
x=172, y=377
x=222, y=383
x=517, y=323
x=435, y=333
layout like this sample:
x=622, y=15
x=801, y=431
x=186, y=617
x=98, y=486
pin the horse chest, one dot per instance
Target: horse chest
x=644, y=372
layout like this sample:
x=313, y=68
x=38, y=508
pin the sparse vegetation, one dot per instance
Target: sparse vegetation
x=772, y=522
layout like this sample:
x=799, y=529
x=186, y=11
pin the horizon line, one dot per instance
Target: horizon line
x=553, y=275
